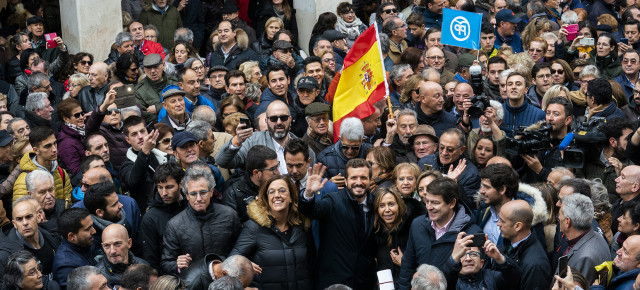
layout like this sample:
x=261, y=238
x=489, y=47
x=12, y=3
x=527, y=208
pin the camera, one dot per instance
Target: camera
x=475, y=72
x=479, y=103
x=588, y=141
x=528, y=142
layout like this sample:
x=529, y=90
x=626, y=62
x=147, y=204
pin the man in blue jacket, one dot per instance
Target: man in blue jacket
x=76, y=250
x=432, y=238
x=517, y=111
x=506, y=23
x=628, y=265
x=433, y=14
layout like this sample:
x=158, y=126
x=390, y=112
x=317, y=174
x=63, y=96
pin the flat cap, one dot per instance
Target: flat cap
x=317, y=108
x=152, y=59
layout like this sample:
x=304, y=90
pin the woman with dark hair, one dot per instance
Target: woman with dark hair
x=228, y=106
x=628, y=225
x=71, y=135
x=382, y=161
x=348, y=23
x=283, y=10
x=165, y=135
x=326, y=21
x=485, y=149
x=22, y=272
x=562, y=74
x=391, y=225
x=17, y=44
x=275, y=237
x=605, y=56
x=577, y=50
x=179, y=54
x=413, y=57
x=126, y=69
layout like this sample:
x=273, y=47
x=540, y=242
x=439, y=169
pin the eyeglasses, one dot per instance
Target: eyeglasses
x=636, y=92
x=389, y=11
x=631, y=61
x=352, y=148
x=557, y=71
x=317, y=119
x=435, y=57
x=532, y=50
x=202, y=193
x=272, y=169
x=328, y=60
x=84, y=62
x=473, y=254
x=543, y=76
x=78, y=115
x=274, y=119
x=113, y=111
x=165, y=140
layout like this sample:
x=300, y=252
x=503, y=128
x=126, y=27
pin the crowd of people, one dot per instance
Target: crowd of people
x=201, y=154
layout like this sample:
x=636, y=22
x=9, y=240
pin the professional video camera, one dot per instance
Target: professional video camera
x=588, y=140
x=478, y=104
x=528, y=142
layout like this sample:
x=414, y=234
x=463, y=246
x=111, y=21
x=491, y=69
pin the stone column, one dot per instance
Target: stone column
x=307, y=12
x=90, y=26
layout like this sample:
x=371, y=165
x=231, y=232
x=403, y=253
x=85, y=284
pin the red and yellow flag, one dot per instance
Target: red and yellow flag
x=362, y=81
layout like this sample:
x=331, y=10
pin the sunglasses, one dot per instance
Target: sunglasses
x=84, y=62
x=78, y=115
x=274, y=119
x=113, y=111
x=389, y=11
x=165, y=140
x=557, y=71
x=352, y=148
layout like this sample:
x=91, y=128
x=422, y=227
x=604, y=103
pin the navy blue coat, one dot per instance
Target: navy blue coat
x=610, y=112
x=335, y=161
x=68, y=257
x=347, y=247
x=524, y=115
x=423, y=248
x=468, y=181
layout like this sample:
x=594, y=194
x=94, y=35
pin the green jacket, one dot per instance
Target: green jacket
x=594, y=168
x=148, y=94
x=166, y=22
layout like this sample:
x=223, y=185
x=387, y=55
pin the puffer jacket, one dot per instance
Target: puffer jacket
x=334, y=159
x=62, y=180
x=112, y=272
x=284, y=261
x=239, y=53
x=263, y=46
x=154, y=223
x=199, y=234
x=167, y=22
x=118, y=145
x=70, y=149
x=148, y=94
x=236, y=195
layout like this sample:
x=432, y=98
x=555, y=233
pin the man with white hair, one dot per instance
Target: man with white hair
x=428, y=277
x=124, y=43
x=349, y=146
x=87, y=278
x=490, y=127
x=38, y=110
x=399, y=132
x=586, y=248
x=398, y=76
x=93, y=95
x=40, y=186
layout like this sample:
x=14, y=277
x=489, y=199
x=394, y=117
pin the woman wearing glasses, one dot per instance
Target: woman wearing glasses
x=22, y=272
x=605, y=56
x=348, y=23
x=71, y=135
x=75, y=83
x=275, y=237
x=126, y=69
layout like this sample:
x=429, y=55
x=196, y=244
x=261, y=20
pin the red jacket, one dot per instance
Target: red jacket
x=149, y=46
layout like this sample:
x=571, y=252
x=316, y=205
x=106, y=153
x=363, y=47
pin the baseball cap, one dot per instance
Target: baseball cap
x=181, y=138
x=507, y=15
x=5, y=138
x=309, y=83
x=152, y=59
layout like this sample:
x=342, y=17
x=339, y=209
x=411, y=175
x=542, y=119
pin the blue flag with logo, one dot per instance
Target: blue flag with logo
x=461, y=28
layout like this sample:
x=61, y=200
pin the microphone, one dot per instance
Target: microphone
x=566, y=141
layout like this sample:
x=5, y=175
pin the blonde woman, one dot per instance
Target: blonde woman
x=251, y=70
x=265, y=38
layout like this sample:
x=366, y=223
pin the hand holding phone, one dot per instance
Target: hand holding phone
x=478, y=240
x=563, y=263
x=572, y=31
x=49, y=37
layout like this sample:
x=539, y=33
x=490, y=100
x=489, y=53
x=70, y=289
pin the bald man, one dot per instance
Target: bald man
x=499, y=159
x=27, y=235
x=117, y=254
x=627, y=262
x=131, y=210
x=92, y=96
x=628, y=188
x=234, y=152
x=515, y=221
x=436, y=59
x=430, y=109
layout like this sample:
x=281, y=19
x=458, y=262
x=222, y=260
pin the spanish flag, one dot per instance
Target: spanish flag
x=362, y=81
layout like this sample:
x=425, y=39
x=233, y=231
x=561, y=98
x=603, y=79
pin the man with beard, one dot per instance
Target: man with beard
x=612, y=158
x=76, y=249
x=490, y=123
x=627, y=266
x=491, y=83
x=400, y=130
x=317, y=137
x=40, y=186
x=432, y=237
x=234, y=153
x=167, y=202
x=449, y=156
x=346, y=219
x=149, y=88
x=559, y=117
x=117, y=255
x=177, y=116
x=498, y=185
x=101, y=200
x=541, y=75
x=209, y=227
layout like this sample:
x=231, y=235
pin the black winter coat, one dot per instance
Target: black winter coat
x=112, y=272
x=197, y=275
x=154, y=223
x=532, y=259
x=347, y=247
x=240, y=190
x=267, y=12
x=199, y=234
x=284, y=258
x=137, y=175
x=505, y=276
